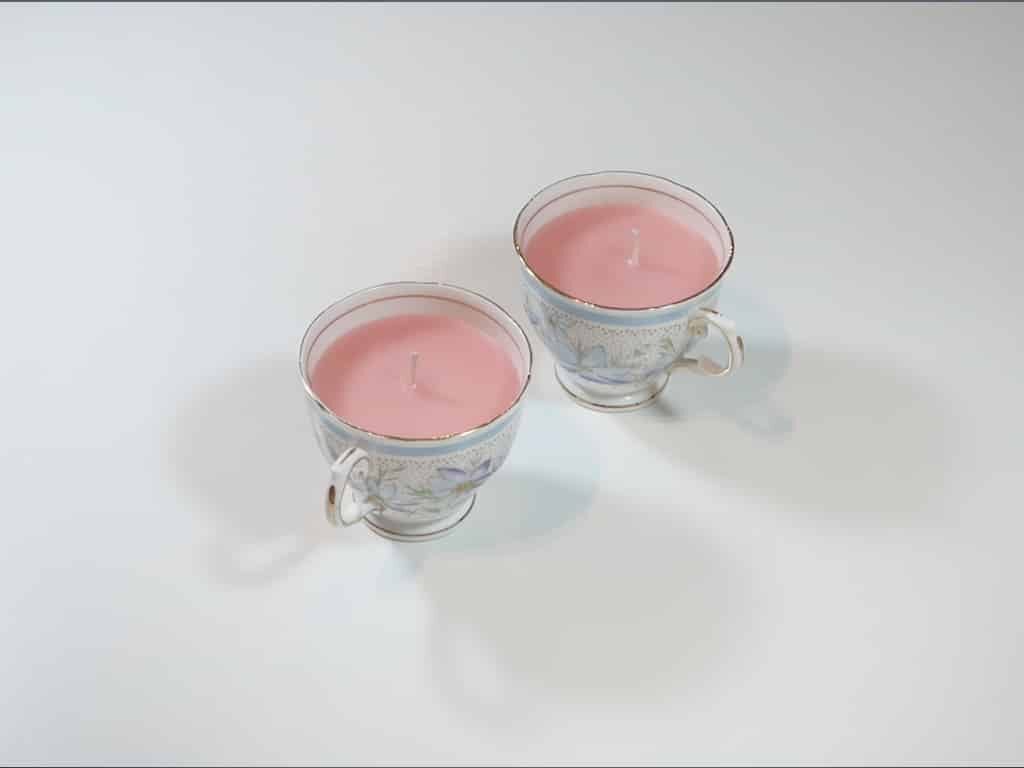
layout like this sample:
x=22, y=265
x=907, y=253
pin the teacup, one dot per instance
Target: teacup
x=614, y=359
x=403, y=488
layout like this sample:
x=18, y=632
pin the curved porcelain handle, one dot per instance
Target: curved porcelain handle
x=341, y=508
x=705, y=366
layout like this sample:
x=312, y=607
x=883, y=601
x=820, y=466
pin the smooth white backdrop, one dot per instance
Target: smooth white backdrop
x=817, y=560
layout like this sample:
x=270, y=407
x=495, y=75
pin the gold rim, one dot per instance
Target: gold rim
x=584, y=302
x=413, y=285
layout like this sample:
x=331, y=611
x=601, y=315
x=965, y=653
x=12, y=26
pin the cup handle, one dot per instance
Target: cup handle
x=340, y=507
x=703, y=365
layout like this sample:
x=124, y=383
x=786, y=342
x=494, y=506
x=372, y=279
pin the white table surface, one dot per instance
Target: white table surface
x=816, y=561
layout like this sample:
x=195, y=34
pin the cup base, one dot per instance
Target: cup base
x=607, y=399
x=413, y=531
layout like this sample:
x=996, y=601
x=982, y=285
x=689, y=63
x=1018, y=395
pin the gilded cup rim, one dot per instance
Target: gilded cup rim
x=731, y=246
x=414, y=284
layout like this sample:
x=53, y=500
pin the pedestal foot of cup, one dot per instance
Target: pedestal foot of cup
x=611, y=399
x=414, y=531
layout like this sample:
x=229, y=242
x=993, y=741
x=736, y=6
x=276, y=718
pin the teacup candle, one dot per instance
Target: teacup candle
x=416, y=376
x=621, y=274
x=415, y=391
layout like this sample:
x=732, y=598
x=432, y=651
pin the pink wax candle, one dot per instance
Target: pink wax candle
x=416, y=376
x=622, y=255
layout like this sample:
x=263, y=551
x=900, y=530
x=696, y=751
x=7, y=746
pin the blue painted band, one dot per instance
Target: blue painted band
x=436, y=448
x=619, y=318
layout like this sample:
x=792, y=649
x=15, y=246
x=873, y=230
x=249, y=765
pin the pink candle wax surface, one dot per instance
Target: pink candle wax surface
x=463, y=377
x=626, y=256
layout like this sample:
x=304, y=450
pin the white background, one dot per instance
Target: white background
x=817, y=560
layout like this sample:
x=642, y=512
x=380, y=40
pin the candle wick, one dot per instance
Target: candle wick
x=413, y=359
x=634, y=256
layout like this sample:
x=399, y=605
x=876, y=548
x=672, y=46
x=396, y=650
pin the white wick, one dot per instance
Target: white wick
x=634, y=256
x=413, y=359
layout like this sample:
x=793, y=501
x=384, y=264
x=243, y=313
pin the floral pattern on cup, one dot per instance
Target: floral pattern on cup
x=574, y=344
x=380, y=487
x=420, y=483
x=452, y=485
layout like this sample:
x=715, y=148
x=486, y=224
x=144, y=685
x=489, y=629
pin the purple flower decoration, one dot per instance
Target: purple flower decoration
x=451, y=482
x=370, y=490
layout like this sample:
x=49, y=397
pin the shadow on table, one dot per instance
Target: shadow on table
x=553, y=589
x=245, y=448
x=623, y=607
x=543, y=490
x=834, y=439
